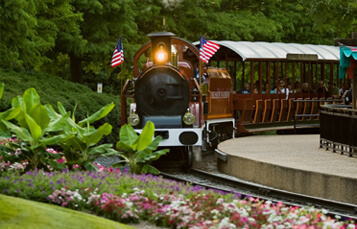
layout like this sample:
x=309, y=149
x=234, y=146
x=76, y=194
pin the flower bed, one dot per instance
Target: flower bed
x=130, y=198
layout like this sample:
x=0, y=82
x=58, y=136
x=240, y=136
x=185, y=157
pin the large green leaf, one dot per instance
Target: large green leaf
x=35, y=129
x=51, y=112
x=56, y=139
x=10, y=113
x=96, y=135
x=2, y=86
x=146, y=136
x=147, y=156
x=20, y=132
x=17, y=101
x=128, y=135
x=59, y=123
x=39, y=113
x=61, y=108
x=31, y=98
x=148, y=150
x=101, y=149
x=150, y=169
x=104, y=111
x=123, y=146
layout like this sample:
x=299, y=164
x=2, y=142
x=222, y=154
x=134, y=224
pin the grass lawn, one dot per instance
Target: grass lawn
x=20, y=213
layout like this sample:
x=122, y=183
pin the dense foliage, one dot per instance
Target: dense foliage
x=54, y=89
x=75, y=39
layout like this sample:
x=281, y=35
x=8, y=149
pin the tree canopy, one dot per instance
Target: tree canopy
x=74, y=38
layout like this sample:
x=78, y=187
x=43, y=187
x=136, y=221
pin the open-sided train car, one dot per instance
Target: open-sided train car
x=191, y=116
x=285, y=82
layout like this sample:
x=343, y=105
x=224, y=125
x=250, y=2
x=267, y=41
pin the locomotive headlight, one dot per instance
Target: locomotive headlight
x=133, y=119
x=188, y=118
x=161, y=55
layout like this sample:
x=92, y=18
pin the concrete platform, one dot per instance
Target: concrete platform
x=294, y=163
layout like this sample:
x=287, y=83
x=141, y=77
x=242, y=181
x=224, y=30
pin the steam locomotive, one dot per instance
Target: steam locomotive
x=192, y=116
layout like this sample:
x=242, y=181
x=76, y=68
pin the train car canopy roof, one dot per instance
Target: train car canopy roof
x=248, y=50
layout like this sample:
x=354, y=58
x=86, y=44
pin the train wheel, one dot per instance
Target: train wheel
x=188, y=158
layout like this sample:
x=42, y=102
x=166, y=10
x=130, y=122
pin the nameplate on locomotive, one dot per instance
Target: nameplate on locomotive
x=220, y=94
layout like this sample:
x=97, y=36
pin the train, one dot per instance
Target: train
x=194, y=114
x=191, y=115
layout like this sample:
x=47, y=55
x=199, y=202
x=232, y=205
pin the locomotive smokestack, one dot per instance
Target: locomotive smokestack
x=161, y=47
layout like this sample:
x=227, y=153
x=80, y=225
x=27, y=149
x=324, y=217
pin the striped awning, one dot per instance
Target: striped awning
x=348, y=61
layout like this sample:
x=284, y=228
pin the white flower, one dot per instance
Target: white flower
x=226, y=224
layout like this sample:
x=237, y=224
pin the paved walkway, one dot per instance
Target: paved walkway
x=293, y=163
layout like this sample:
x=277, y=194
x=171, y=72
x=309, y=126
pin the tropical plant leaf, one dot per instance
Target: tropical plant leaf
x=61, y=108
x=104, y=111
x=147, y=156
x=20, y=132
x=2, y=86
x=56, y=139
x=10, y=113
x=128, y=135
x=4, y=132
x=123, y=146
x=150, y=169
x=90, y=166
x=35, y=129
x=31, y=98
x=146, y=136
x=59, y=123
x=95, y=135
x=75, y=143
x=52, y=113
x=17, y=101
x=101, y=149
x=39, y=113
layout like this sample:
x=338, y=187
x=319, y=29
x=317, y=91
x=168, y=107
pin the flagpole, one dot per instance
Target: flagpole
x=200, y=72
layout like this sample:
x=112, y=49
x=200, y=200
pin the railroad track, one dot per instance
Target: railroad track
x=229, y=184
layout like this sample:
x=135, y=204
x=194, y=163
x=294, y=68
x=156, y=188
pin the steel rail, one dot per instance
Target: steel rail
x=345, y=210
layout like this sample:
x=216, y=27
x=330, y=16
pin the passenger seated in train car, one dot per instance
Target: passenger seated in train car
x=305, y=88
x=280, y=89
x=267, y=89
x=322, y=89
x=245, y=89
x=255, y=90
x=290, y=87
x=335, y=92
x=347, y=96
x=297, y=87
x=341, y=90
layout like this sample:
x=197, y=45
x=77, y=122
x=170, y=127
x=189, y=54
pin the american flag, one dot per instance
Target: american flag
x=207, y=49
x=118, y=55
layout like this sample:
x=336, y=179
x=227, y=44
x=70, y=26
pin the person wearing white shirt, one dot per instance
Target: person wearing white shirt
x=280, y=89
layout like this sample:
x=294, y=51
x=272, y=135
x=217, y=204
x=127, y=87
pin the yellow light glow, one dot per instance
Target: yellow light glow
x=161, y=56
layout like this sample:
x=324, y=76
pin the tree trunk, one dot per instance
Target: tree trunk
x=76, y=69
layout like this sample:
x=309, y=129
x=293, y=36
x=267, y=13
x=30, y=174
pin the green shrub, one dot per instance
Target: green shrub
x=54, y=89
